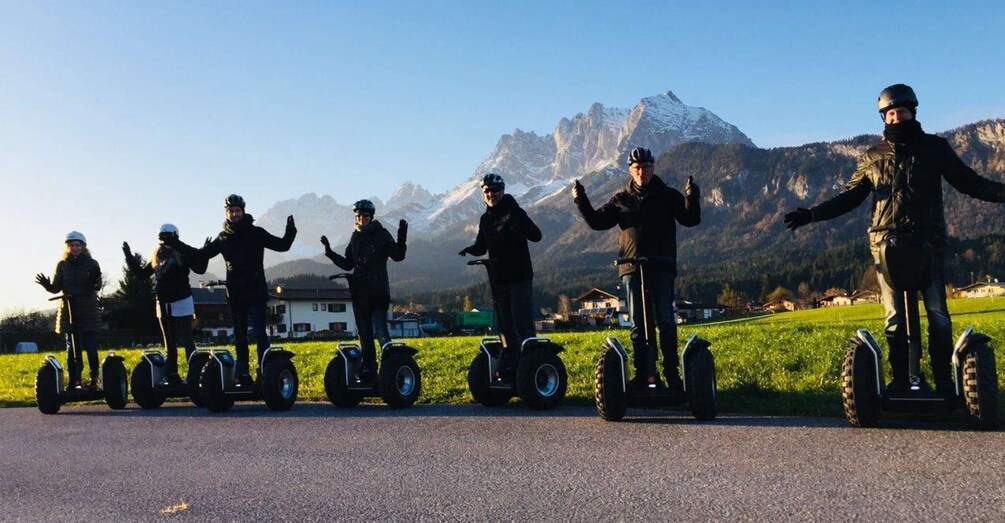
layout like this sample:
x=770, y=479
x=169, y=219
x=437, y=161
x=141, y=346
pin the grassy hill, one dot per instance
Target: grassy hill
x=780, y=364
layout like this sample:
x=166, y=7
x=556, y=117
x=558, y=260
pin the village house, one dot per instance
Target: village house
x=981, y=290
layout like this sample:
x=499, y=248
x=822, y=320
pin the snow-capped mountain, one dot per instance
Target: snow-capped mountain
x=536, y=167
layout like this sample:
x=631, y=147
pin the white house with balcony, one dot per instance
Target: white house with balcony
x=297, y=313
x=981, y=290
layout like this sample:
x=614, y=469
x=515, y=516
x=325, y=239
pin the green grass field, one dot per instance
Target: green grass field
x=782, y=364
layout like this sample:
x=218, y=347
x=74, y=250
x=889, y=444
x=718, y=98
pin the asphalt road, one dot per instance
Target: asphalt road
x=318, y=463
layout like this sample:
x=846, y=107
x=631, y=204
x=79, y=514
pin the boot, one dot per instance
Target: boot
x=671, y=365
x=899, y=365
x=242, y=375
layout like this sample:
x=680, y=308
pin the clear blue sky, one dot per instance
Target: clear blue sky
x=118, y=116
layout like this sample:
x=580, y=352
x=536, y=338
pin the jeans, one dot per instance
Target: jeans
x=243, y=316
x=940, y=327
x=88, y=342
x=514, y=312
x=378, y=318
x=660, y=287
x=177, y=331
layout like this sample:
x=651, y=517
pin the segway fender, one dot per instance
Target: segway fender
x=155, y=359
x=394, y=347
x=691, y=346
x=538, y=343
x=864, y=338
x=614, y=344
x=111, y=356
x=53, y=362
x=966, y=341
x=276, y=352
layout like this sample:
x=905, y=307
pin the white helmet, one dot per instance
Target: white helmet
x=75, y=236
x=169, y=228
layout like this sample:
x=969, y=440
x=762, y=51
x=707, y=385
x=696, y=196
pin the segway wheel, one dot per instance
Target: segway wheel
x=211, y=388
x=478, y=383
x=858, y=387
x=46, y=395
x=980, y=387
x=280, y=384
x=607, y=386
x=192, y=381
x=116, y=384
x=399, y=381
x=335, y=386
x=541, y=379
x=143, y=391
x=701, y=387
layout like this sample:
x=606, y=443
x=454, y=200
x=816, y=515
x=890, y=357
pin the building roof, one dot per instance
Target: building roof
x=311, y=294
x=209, y=296
x=981, y=284
x=596, y=294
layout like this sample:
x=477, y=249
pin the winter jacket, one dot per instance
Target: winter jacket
x=243, y=246
x=366, y=255
x=80, y=278
x=503, y=232
x=171, y=276
x=648, y=220
x=905, y=180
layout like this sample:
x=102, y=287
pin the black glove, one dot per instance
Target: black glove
x=43, y=280
x=578, y=191
x=208, y=241
x=690, y=187
x=324, y=241
x=798, y=218
x=464, y=252
x=291, y=226
x=402, y=230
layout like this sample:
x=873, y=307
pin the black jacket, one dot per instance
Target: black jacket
x=905, y=180
x=503, y=232
x=648, y=220
x=171, y=275
x=366, y=255
x=243, y=246
x=80, y=278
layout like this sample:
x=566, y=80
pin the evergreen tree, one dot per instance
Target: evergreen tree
x=132, y=305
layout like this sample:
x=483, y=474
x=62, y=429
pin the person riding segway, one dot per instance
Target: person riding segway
x=155, y=378
x=78, y=278
x=517, y=361
x=647, y=212
x=354, y=373
x=904, y=174
x=222, y=379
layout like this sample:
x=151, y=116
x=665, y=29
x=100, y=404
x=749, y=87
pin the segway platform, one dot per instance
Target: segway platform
x=51, y=394
x=149, y=387
x=277, y=383
x=613, y=396
x=398, y=380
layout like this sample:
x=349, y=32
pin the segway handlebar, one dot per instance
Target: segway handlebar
x=649, y=260
x=340, y=275
x=215, y=283
x=484, y=261
x=61, y=297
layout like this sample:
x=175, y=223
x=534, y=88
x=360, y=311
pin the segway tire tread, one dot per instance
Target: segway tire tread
x=478, y=383
x=858, y=391
x=980, y=387
x=528, y=374
x=115, y=384
x=607, y=377
x=335, y=386
x=211, y=390
x=144, y=394
x=701, y=385
x=45, y=389
x=272, y=384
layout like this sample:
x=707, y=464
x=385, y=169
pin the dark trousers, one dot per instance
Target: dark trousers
x=514, y=313
x=660, y=313
x=177, y=331
x=940, y=326
x=244, y=316
x=87, y=341
x=372, y=323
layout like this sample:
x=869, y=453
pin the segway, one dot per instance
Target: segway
x=540, y=379
x=50, y=390
x=149, y=386
x=906, y=263
x=275, y=379
x=697, y=363
x=398, y=380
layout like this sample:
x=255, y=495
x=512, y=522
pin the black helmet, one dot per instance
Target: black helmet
x=897, y=95
x=641, y=155
x=493, y=180
x=233, y=201
x=364, y=207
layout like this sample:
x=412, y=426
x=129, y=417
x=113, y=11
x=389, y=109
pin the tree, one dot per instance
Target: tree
x=780, y=293
x=564, y=306
x=870, y=279
x=732, y=298
x=133, y=305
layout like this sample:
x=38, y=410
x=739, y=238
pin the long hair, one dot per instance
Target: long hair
x=161, y=254
x=66, y=251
